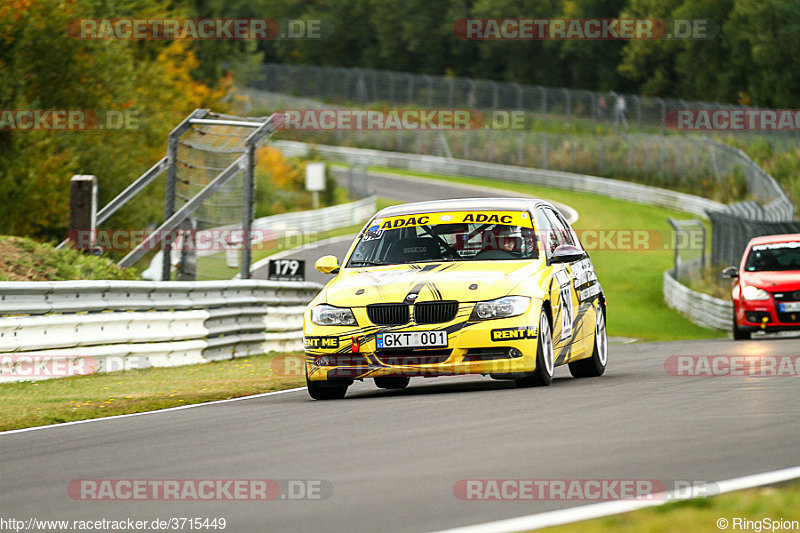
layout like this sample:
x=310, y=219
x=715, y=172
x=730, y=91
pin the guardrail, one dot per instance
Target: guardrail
x=623, y=190
x=121, y=325
x=701, y=308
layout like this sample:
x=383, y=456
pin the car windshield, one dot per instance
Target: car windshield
x=446, y=237
x=774, y=257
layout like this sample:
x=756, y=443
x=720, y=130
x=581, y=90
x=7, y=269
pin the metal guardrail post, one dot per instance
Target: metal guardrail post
x=83, y=209
x=253, y=140
x=169, y=193
x=703, y=250
x=247, y=209
x=675, y=266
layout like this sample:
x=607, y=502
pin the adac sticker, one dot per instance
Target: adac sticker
x=506, y=334
x=506, y=218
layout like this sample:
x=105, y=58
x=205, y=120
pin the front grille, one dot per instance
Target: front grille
x=413, y=357
x=388, y=314
x=791, y=317
x=435, y=312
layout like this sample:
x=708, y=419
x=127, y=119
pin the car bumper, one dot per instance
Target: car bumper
x=751, y=314
x=499, y=347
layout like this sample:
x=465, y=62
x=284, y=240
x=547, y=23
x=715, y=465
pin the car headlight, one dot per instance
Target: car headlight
x=754, y=293
x=505, y=307
x=328, y=315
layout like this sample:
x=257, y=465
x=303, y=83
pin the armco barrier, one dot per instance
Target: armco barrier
x=701, y=308
x=123, y=325
x=623, y=190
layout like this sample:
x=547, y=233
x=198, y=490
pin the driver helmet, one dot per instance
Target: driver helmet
x=509, y=239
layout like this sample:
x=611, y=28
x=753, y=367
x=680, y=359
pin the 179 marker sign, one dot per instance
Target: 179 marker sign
x=287, y=270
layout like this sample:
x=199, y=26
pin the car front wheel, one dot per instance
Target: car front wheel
x=596, y=364
x=326, y=390
x=545, y=361
x=739, y=334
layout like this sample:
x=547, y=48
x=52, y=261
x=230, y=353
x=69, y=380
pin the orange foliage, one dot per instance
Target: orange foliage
x=282, y=172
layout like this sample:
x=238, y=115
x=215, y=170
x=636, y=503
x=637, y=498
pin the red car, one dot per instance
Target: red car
x=766, y=287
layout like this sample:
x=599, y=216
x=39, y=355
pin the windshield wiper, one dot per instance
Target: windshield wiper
x=368, y=263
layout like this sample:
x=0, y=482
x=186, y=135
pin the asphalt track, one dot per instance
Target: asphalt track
x=393, y=458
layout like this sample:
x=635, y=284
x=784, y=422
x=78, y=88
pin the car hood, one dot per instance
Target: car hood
x=773, y=281
x=429, y=281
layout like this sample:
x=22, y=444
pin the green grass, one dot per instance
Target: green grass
x=36, y=403
x=776, y=503
x=23, y=259
x=631, y=279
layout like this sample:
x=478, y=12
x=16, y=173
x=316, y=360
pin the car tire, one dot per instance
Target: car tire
x=596, y=364
x=392, y=382
x=326, y=390
x=545, y=360
x=740, y=334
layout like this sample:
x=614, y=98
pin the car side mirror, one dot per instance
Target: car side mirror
x=327, y=264
x=566, y=253
x=730, y=272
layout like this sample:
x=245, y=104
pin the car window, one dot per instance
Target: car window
x=562, y=230
x=773, y=257
x=547, y=233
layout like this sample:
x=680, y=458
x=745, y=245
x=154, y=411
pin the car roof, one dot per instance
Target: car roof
x=463, y=204
x=768, y=239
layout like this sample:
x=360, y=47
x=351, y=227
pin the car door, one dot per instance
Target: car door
x=562, y=290
x=586, y=289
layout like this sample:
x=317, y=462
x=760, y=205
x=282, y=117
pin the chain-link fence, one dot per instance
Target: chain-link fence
x=209, y=184
x=627, y=112
x=689, y=246
x=733, y=229
x=693, y=164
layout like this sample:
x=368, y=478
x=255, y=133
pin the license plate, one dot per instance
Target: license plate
x=790, y=307
x=412, y=339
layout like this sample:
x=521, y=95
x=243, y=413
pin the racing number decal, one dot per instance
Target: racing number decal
x=563, y=277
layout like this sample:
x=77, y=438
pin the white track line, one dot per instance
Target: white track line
x=598, y=510
x=165, y=410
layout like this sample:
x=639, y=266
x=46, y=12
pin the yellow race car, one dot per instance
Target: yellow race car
x=494, y=286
